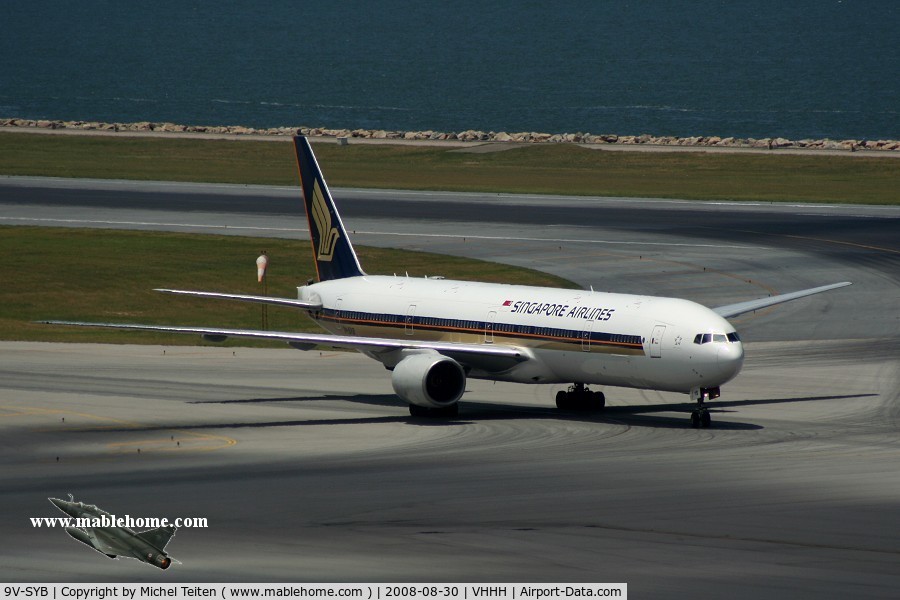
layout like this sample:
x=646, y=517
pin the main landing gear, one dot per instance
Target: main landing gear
x=578, y=397
x=700, y=415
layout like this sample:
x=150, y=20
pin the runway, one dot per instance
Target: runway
x=308, y=468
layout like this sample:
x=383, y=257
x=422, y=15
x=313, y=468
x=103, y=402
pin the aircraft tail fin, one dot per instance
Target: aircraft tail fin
x=158, y=537
x=332, y=250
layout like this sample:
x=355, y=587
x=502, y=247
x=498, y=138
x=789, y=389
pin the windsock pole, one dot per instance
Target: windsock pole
x=261, y=264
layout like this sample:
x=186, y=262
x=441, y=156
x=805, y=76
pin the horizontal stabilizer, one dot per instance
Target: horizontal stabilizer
x=733, y=310
x=244, y=298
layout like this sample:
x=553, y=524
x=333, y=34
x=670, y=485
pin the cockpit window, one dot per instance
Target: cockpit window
x=705, y=338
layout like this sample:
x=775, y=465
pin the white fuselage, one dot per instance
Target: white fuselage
x=571, y=336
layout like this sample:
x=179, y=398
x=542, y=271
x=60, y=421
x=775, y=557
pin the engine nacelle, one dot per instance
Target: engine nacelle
x=159, y=560
x=156, y=559
x=429, y=380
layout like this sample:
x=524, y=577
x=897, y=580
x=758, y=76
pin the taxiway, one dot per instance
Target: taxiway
x=308, y=468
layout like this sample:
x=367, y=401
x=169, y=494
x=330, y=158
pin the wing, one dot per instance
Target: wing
x=158, y=537
x=107, y=544
x=488, y=356
x=733, y=310
x=245, y=298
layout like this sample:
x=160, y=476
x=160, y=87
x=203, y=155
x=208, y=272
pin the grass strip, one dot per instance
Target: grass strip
x=539, y=169
x=108, y=276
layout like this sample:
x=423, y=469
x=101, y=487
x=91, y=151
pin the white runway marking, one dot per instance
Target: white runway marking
x=149, y=224
x=361, y=232
x=556, y=240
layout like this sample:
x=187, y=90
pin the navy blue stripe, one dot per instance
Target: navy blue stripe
x=480, y=327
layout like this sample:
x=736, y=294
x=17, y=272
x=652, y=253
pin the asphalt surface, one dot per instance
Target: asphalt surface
x=308, y=468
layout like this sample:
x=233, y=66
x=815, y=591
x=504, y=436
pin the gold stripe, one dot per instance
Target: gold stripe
x=432, y=333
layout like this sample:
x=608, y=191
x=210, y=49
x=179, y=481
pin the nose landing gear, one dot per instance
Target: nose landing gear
x=700, y=415
x=578, y=397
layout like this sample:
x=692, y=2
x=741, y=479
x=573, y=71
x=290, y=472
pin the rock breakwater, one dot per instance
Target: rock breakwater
x=473, y=136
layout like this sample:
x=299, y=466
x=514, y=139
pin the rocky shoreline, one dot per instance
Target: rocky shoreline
x=464, y=136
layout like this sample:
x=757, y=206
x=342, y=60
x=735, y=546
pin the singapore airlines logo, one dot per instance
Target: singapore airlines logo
x=328, y=235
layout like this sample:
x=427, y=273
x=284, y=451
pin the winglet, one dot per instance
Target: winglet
x=733, y=310
x=332, y=250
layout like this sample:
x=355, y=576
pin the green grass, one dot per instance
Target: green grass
x=108, y=276
x=539, y=169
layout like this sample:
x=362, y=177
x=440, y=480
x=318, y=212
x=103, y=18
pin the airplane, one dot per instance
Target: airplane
x=434, y=333
x=146, y=546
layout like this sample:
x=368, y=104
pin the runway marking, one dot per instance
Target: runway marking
x=166, y=445
x=382, y=233
x=842, y=216
x=215, y=442
x=542, y=199
x=741, y=538
x=815, y=239
x=556, y=240
x=153, y=224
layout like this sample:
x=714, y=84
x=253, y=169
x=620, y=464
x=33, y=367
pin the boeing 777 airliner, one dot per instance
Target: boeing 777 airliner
x=433, y=334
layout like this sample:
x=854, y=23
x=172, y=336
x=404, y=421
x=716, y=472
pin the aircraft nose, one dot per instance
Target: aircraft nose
x=731, y=358
x=62, y=505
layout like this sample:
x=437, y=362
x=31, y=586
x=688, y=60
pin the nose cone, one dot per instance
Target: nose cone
x=730, y=360
x=62, y=505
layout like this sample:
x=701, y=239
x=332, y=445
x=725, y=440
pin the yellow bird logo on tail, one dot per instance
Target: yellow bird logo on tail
x=328, y=235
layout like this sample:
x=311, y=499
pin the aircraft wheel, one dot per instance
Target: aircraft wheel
x=705, y=419
x=695, y=420
x=418, y=411
x=599, y=400
x=562, y=400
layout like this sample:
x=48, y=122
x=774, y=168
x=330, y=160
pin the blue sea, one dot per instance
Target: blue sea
x=791, y=68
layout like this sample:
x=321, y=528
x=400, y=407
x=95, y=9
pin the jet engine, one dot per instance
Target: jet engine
x=160, y=560
x=156, y=559
x=429, y=380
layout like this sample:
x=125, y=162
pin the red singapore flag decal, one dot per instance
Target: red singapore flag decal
x=507, y=303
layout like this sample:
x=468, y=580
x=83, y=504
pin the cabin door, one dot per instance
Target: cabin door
x=586, y=336
x=410, y=319
x=656, y=341
x=489, y=327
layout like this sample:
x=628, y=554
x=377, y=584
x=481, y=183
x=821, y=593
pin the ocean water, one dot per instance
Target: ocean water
x=797, y=69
